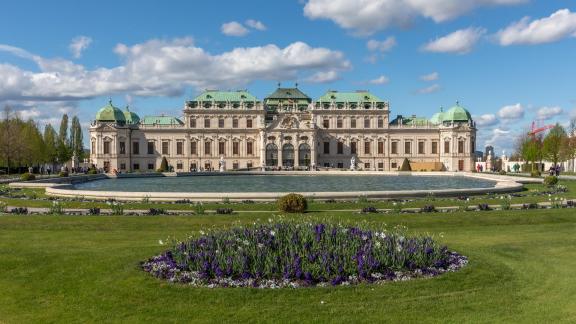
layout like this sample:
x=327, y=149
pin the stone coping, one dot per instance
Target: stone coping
x=64, y=188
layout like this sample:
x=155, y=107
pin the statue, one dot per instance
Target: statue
x=222, y=164
x=353, y=163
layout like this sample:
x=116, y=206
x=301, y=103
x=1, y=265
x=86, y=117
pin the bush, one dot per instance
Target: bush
x=199, y=209
x=292, y=203
x=550, y=181
x=502, y=172
x=63, y=174
x=156, y=211
x=405, y=165
x=92, y=171
x=369, y=209
x=94, y=211
x=27, y=177
x=535, y=174
x=224, y=211
x=530, y=206
x=483, y=207
x=56, y=208
x=163, y=165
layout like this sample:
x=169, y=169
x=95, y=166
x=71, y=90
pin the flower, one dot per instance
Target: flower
x=272, y=233
x=160, y=242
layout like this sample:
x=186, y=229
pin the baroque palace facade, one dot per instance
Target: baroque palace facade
x=287, y=130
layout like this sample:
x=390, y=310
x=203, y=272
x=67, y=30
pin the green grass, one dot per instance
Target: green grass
x=85, y=269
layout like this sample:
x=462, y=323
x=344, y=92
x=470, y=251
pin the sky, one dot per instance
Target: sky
x=509, y=62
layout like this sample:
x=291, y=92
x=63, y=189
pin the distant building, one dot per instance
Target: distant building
x=286, y=130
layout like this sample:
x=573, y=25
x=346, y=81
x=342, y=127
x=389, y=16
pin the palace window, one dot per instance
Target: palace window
x=249, y=165
x=122, y=147
x=380, y=166
x=206, y=122
x=93, y=147
x=394, y=148
x=380, y=147
x=446, y=147
x=235, y=148
x=366, y=166
x=421, y=147
x=249, y=148
x=180, y=148
x=367, y=147
x=193, y=148
x=221, y=123
x=192, y=122
x=366, y=122
x=150, y=148
x=339, y=123
x=106, y=147
x=353, y=122
x=136, y=166
x=179, y=166
x=165, y=146
x=234, y=123
x=460, y=147
x=407, y=147
x=122, y=166
x=207, y=148
x=393, y=165
x=434, y=147
x=352, y=147
x=340, y=149
x=235, y=166
x=221, y=148
x=248, y=123
x=326, y=147
x=135, y=148
x=472, y=145
x=150, y=166
x=380, y=123
x=326, y=123
x=340, y=165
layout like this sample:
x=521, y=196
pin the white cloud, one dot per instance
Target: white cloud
x=365, y=17
x=501, y=139
x=461, y=41
x=323, y=77
x=486, y=120
x=380, y=80
x=234, y=28
x=430, y=77
x=255, y=24
x=430, y=89
x=78, y=45
x=163, y=68
x=545, y=112
x=381, y=46
x=511, y=112
x=559, y=25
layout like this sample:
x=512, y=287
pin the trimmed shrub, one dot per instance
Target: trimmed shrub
x=369, y=209
x=27, y=177
x=19, y=211
x=163, y=165
x=483, y=207
x=535, y=174
x=405, y=165
x=550, y=181
x=502, y=172
x=63, y=174
x=428, y=209
x=224, y=211
x=156, y=211
x=292, y=203
x=92, y=171
x=94, y=211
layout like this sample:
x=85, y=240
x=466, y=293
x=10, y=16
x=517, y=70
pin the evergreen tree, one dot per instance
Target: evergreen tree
x=76, y=139
x=64, y=153
x=51, y=145
x=405, y=165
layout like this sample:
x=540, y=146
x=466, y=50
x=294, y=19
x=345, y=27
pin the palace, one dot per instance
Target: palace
x=286, y=130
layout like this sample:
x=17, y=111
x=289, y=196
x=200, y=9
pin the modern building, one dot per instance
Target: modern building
x=286, y=130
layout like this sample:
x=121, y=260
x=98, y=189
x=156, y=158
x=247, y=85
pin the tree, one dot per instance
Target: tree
x=76, y=139
x=9, y=137
x=555, y=145
x=51, y=145
x=529, y=147
x=405, y=165
x=63, y=144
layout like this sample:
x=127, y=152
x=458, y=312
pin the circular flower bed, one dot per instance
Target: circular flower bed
x=293, y=254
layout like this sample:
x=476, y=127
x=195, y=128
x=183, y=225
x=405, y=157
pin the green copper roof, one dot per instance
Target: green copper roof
x=456, y=113
x=214, y=95
x=357, y=96
x=131, y=117
x=109, y=113
x=410, y=121
x=437, y=118
x=161, y=120
x=288, y=93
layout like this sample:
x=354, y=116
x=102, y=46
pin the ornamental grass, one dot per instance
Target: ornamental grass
x=294, y=254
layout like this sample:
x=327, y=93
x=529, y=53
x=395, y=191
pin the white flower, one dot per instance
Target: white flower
x=322, y=302
x=272, y=233
x=377, y=244
x=260, y=245
x=160, y=242
x=202, y=233
x=398, y=248
x=269, y=220
x=245, y=242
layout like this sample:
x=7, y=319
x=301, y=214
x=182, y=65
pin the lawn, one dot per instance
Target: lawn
x=85, y=269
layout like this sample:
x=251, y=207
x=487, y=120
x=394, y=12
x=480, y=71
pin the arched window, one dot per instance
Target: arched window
x=288, y=155
x=304, y=155
x=271, y=155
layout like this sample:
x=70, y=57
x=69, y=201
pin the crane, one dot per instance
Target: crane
x=535, y=130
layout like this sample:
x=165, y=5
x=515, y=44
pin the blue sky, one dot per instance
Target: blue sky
x=508, y=61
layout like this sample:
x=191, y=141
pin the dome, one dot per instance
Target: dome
x=109, y=113
x=437, y=118
x=131, y=117
x=456, y=114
